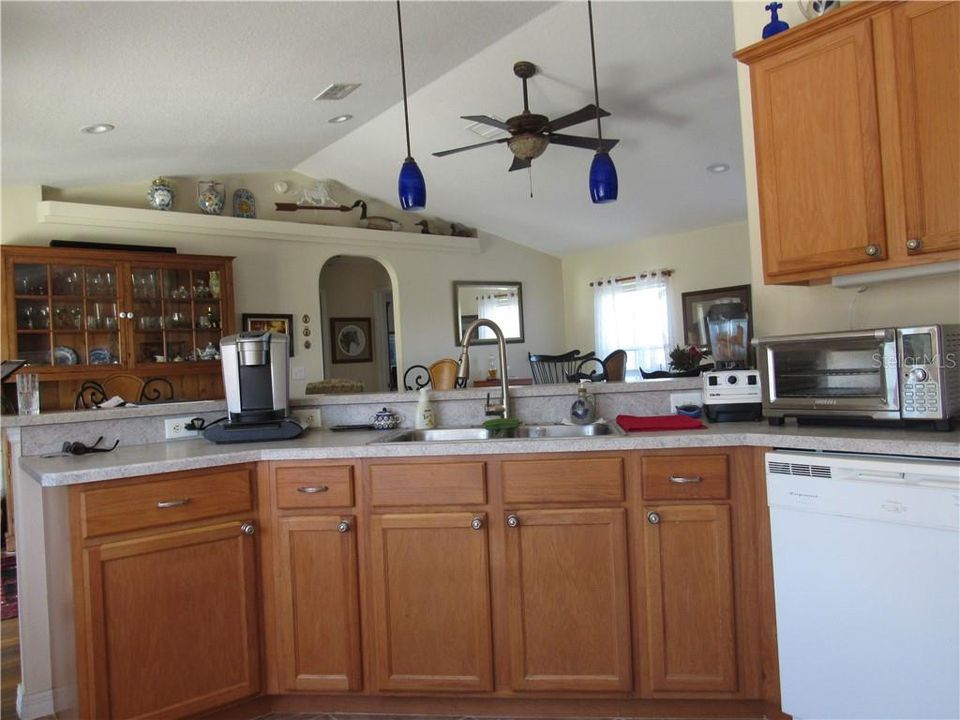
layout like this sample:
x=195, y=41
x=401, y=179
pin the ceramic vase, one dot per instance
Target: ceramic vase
x=161, y=194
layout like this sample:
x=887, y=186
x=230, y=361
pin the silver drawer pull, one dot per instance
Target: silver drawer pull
x=163, y=504
x=311, y=489
x=680, y=480
x=343, y=526
x=248, y=528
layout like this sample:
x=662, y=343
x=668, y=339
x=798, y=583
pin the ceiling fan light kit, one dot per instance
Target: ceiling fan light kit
x=411, y=187
x=603, y=173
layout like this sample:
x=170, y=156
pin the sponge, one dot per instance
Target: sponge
x=501, y=423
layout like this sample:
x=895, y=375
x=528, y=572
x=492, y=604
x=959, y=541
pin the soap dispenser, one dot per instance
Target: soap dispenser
x=584, y=408
x=425, y=417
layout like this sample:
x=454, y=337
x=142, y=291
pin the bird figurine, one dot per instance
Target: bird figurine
x=458, y=230
x=776, y=25
x=424, y=227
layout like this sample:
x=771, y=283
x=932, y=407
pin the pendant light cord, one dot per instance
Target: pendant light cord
x=593, y=58
x=403, y=78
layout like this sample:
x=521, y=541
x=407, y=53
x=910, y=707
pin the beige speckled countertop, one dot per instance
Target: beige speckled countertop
x=320, y=444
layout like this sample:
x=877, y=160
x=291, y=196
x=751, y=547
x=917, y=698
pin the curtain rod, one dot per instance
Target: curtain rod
x=630, y=278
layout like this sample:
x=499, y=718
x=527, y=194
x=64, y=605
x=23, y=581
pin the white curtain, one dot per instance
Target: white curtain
x=634, y=315
x=504, y=309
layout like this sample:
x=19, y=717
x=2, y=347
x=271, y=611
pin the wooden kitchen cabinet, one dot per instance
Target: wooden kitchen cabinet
x=568, y=599
x=856, y=120
x=688, y=575
x=84, y=314
x=430, y=591
x=167, y=618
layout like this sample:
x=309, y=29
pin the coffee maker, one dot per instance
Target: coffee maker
x=255, y=369
x=731, y=391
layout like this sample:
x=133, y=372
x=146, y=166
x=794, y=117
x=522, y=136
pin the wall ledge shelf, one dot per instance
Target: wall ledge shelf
x=83, y=214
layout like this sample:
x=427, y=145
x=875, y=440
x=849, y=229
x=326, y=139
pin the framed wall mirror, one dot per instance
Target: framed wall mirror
x=501, y=302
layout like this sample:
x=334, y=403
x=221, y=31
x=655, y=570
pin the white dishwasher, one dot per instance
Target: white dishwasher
x=866, y=561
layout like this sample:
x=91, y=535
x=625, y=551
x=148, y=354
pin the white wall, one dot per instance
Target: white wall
x=709, y=258
x=281, y=276
x=786, y=309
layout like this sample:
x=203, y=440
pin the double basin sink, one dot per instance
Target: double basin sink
x=529, y=432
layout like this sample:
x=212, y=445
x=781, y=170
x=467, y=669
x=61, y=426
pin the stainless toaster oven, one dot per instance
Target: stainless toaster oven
x=888, y=374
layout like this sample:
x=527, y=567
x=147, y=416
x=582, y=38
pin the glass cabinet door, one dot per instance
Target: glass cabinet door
x=176, y=314
x=66, y=314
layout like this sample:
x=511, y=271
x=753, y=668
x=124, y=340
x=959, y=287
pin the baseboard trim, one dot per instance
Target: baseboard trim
x=34, y=705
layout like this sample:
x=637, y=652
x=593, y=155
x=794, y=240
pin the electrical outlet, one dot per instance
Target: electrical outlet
x=176, y=428
x=307, y=416
x=694, y=397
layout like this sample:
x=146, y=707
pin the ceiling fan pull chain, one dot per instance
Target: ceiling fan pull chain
x=530, y=177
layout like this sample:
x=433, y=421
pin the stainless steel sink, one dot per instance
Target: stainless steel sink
x=522, y=432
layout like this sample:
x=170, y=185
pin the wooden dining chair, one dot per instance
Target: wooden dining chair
x=131, y=388
x=443, y=374
x=615, y=366
x=547, y=369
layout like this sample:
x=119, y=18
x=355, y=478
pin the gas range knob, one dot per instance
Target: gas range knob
x=918, y=374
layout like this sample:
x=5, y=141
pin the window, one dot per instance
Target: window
x=633, y=314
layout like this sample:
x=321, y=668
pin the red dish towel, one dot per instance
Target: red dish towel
x=635, y=423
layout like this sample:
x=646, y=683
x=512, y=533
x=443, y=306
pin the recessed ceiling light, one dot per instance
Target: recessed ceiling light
x=340, y=119
x=718, y=168
x=98, y=129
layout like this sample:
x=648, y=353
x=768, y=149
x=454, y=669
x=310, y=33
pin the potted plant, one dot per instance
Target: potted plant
x=686, y=360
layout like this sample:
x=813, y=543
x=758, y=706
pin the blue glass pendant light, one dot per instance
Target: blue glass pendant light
x=410, y=186
x=603, y=173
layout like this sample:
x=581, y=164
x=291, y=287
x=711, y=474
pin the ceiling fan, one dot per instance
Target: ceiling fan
x=531, y=133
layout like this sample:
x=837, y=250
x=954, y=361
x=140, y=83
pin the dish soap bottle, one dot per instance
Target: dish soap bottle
x=425, y=417
x=584, y=408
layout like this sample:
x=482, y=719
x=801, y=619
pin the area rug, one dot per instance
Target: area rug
x=8, y=592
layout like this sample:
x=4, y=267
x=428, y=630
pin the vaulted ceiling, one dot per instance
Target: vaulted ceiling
x=227, y=87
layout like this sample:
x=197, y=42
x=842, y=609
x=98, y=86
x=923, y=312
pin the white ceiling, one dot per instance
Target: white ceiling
x=223, y=87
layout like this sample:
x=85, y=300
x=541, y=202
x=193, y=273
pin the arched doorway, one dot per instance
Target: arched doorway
x=356, y=308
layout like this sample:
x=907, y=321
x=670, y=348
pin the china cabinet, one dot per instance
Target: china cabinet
x=79, y=314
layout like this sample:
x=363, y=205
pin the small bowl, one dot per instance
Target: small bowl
x=693, y=411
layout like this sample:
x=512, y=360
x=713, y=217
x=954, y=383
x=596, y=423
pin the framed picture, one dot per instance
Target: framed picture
x=274, y=322
x=350, y=340
x=697, y=304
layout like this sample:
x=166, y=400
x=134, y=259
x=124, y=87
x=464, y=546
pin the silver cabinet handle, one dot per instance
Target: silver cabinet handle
x=512, y=520
x=163, y=504
x=914, y=244
x=653, y=518
x=680, y=480
x=311, y=489
x=343, y=526
x=477, y=523
x=872, y=250
x=123, y=315
x=129, y=315
x=248, y=528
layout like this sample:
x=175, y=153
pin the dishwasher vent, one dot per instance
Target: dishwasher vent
x=785, y=468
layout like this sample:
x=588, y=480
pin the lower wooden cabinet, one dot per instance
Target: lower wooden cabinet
x=688, y=579
x=569, y=604
x=171, y=622
x=318, y=603
x=430, y=592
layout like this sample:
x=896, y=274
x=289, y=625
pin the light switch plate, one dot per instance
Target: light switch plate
x=299, y=373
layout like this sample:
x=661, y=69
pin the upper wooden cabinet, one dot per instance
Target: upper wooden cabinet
x=856, y=124
x=77, y=312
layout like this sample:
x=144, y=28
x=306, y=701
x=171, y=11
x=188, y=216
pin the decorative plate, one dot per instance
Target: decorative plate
x=63, y=355
x=100, y=356
x=244, y=206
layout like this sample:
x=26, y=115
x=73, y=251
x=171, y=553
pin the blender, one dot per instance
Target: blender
x=731, y=391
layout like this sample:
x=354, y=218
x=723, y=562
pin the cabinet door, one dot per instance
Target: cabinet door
x=569, y=616
x=431, y=594
x=171, y=623
x=818, y=154
x=689, y=592
x=318, y=614
x=927, y=38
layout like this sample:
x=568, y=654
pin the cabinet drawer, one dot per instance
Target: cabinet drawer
x=567, y=480
x=457, y=483
x=308, y=486
x=185, y=496
x=700, y=477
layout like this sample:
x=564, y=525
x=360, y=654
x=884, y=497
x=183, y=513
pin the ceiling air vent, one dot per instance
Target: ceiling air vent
x=337, y=91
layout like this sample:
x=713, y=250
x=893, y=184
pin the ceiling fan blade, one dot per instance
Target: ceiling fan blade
x=519, y=164
x=486, y=120
x=469, y=147
x=587, y=112
x=587, y=143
